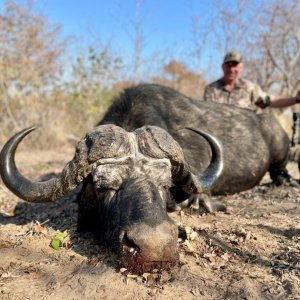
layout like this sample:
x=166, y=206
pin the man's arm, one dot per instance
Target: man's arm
x=284, y=102
x=263, y=100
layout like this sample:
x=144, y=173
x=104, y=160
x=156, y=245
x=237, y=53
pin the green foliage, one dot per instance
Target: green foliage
x=58, y=240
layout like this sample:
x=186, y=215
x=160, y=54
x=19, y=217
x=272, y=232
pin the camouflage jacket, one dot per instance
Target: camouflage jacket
x=245, y=94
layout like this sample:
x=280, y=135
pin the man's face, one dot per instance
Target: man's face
x=232, y=70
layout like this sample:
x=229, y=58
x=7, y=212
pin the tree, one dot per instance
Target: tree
x=277, y=45
x=265, y=32
x=30, y=50
x=178, y=76
x=89, y=87
x=133, y=24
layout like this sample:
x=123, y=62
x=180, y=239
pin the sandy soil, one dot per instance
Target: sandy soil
x=252, y=252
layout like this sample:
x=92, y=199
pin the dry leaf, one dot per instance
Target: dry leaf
x=8, y=275
x=193, y=236
x=225, y=256
x=145, y=276
x=165, y=276
x=195, y=292
x=4, y=244
x=131, y=276
x=151, y=279
x=39, y=228
x=211, y=257
x=188, y=230
x=188, y=247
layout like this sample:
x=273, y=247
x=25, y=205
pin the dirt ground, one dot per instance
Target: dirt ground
x=252, y=252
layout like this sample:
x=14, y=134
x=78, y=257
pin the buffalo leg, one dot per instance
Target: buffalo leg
x=195, y=203
x=282, y=177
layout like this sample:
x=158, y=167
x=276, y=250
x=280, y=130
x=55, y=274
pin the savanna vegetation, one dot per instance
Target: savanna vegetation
x=43, y=82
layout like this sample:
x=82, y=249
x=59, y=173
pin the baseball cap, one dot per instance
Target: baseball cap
x=233, y=56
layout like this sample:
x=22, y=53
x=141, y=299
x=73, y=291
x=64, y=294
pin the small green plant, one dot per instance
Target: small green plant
x=58, y=240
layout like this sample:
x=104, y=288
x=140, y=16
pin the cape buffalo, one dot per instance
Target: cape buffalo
x=153, y=149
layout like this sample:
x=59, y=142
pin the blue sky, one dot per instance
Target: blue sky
x=161, y=19
x=167, y=24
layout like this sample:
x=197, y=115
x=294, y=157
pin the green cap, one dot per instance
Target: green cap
x=233, y=56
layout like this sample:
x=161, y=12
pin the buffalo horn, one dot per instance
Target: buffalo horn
x=26, y=189
x=210, y=176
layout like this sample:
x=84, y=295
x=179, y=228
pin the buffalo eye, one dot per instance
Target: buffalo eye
x=159, y=171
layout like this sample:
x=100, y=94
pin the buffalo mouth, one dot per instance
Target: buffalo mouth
x=139, y=262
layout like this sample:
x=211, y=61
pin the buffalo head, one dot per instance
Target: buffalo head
x=125, y=194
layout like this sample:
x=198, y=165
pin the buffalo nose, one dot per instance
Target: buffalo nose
x=154, y=242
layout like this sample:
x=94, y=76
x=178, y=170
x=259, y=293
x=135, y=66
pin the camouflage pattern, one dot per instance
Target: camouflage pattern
x=233, y=56
x=245, y=94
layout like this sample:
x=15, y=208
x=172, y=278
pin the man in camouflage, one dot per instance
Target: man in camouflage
x=232, y=89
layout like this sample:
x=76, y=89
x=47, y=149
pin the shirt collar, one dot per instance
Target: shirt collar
x=238, y=84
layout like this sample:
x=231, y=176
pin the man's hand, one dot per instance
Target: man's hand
x=263, y=102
